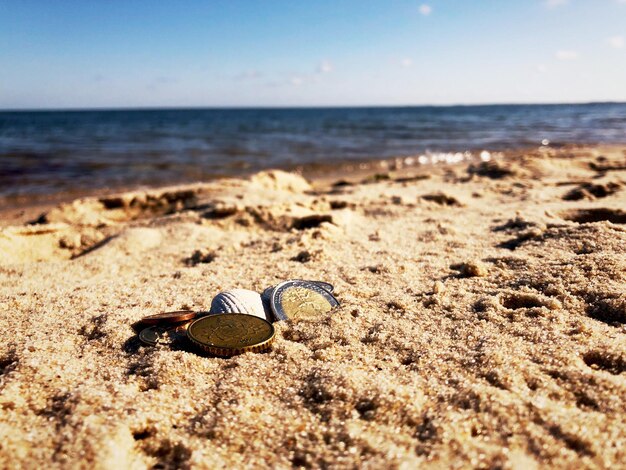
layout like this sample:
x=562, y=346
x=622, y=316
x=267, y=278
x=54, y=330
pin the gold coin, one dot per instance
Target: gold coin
x=228, y=334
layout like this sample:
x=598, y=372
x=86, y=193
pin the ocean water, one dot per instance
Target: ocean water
x=48, y=152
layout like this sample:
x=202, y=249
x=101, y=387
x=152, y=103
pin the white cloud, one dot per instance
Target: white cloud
x=566, y=55
x=541, y=68
x=425, y=9
x=406, y=62
x=555, y=3
x=616, y=41
x=325, y=67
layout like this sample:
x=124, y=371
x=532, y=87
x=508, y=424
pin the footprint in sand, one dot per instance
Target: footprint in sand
x=601, y=359
x=592, y=191
x=600, y=214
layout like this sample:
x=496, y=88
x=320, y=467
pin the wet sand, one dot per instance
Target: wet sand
x=482, y=321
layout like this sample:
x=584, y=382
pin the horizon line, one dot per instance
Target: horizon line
x=288, y=107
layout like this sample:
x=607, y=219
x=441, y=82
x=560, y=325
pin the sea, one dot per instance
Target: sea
x=46, y=153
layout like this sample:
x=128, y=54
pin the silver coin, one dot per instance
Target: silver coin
x=301, y=300
x=155, y=335
x=151, y=335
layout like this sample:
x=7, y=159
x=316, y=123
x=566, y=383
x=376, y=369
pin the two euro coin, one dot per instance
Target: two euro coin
x=301, y=300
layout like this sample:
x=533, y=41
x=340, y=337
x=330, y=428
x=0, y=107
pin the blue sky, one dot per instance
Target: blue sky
x=134, y=53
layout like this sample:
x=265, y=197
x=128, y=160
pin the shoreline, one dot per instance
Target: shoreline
x=27, y=208
x=20, y=209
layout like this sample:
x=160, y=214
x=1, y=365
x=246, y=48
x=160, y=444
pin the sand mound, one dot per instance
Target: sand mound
x=280, y=181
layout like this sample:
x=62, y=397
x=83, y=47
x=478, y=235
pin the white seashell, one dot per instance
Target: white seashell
x=239, y=301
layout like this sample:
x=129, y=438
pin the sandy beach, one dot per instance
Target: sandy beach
x=482, y=321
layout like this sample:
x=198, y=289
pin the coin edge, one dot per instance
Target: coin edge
x=147, y=320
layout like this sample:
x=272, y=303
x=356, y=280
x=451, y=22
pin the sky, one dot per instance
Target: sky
x=237, y=53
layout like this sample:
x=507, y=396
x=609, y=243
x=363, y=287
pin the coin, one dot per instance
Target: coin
x=178, y=316
x=266, y=296
x=228, y=334
x=175, y=334
x=301, y=300
x=151, y=335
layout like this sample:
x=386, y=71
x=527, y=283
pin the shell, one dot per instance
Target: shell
x=239, y=301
